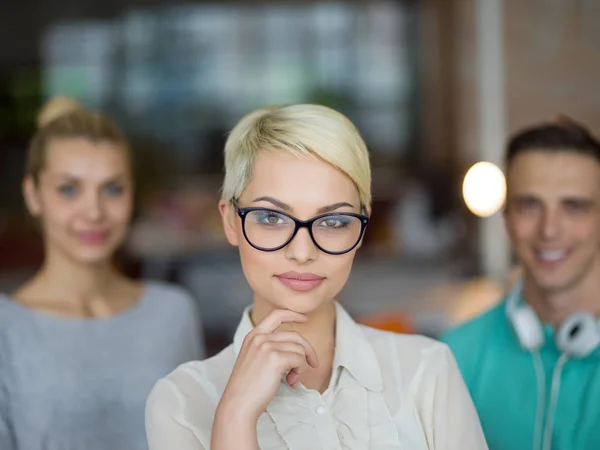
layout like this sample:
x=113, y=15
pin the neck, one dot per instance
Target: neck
x=319, y=331
x=554, y=306
x=61, y=279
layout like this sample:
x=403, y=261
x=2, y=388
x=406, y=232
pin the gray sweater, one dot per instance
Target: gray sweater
x=82, y=384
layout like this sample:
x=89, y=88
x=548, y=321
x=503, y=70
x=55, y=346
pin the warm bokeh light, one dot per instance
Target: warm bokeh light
x=484, y=189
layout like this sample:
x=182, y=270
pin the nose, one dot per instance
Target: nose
x=93, y=207
x=550, y=224
x=301, y=249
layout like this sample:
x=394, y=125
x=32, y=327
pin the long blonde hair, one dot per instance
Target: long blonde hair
x=62, y=118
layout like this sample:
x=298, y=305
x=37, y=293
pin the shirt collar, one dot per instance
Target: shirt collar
x=353, y=351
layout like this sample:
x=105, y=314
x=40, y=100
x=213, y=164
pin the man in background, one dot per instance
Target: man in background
x=532, y=363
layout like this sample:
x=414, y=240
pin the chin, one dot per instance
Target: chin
x=90, y=255
x=553, y=283
x=92, y=259
x=300, y=302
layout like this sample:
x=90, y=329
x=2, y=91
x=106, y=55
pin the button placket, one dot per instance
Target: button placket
x=324, y=422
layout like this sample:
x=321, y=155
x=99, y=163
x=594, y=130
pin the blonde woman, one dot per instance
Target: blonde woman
x=300, y=373
x=80, y=344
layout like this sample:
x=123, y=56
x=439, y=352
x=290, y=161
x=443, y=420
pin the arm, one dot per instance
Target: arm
x=464, y=354
x=264, y=358
x=198, y=341
x=6, y=434
x=456, y=424
x=180, y=412
x=227, y=419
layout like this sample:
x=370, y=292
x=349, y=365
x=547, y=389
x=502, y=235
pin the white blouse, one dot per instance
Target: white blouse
x=387, y=392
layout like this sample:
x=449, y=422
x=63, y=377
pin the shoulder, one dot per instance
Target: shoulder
x=11, y=314
x=167, y=291
x=403, y=343
x=470, y=332
x=181, y=406
x=172, y=298
x=5, y=305
x=176, y=317
x=186, y=399
x=411, y=351
x=202, y=380
x=423, y=373
x=412, y=364
x=471, y=341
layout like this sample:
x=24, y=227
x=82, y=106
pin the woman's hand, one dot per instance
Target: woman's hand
x=265, y=357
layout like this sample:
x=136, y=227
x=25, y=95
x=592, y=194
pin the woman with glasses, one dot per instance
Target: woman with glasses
x=300, y=373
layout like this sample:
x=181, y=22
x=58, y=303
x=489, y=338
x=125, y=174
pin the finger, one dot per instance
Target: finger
x=288, y=361
x=292, y=378
x=293, y=336
x=287, y=347
x=275, y=318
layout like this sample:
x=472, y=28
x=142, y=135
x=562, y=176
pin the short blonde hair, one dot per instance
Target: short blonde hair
x=304, y=130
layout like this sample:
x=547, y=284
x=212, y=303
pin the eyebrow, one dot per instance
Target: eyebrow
x=288, y=208
x=566, y=197
x=330, y=208
x=71, y=177
x=579, y=200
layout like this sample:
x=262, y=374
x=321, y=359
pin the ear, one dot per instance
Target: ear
x=229, y=222
x=32, y=197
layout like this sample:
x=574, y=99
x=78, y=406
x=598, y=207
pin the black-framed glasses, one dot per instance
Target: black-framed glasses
x=269, y=230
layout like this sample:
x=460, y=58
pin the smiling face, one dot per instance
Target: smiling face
x=553, y=217
x=83, y=199
x=299, y=276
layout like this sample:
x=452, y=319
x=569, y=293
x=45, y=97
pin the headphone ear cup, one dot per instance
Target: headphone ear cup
x=528, y=328
x=578, y=335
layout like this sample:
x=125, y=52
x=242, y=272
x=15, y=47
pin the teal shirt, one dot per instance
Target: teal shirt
x=502, y=380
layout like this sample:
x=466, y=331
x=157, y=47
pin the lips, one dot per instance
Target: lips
x=92, y=237
x=300, y=281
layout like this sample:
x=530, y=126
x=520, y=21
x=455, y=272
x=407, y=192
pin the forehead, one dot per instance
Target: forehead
x=294, y=178
x=553, y=173
x=80, y=157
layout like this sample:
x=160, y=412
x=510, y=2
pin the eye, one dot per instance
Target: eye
x=114, y=189
x=67, y=190
x=576, y=206
x=335, y=222
x=269, y=218
x=527, y=205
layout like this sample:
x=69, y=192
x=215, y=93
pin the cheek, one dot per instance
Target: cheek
x=120, y=210
x=258, y=266
x=56, y=213
x=520, y=229
x=250, y=255
x=587, y=232
x=337, y=268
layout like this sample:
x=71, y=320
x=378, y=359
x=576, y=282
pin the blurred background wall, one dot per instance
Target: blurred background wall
x=433, y=85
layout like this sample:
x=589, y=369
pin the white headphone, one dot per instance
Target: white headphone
x=577, y=336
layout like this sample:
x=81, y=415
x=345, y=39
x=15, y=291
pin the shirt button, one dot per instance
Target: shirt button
x=320, y=410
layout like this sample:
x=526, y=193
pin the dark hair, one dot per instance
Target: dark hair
x=63, y=117
x=561, y=135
